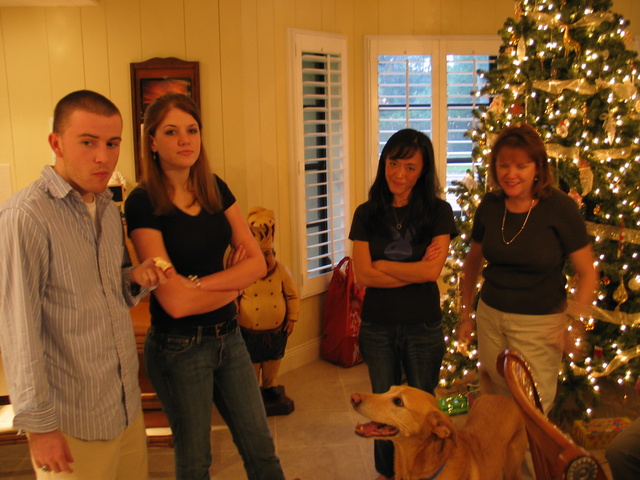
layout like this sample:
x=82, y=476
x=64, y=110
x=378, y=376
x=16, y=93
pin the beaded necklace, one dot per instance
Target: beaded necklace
x=504, y=217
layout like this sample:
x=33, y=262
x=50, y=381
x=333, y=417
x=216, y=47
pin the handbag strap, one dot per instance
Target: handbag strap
x=348, y=271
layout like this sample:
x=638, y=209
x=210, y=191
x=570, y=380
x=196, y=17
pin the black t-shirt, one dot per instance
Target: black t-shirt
x=526, y=277
x=196, y=245
x=414, y=303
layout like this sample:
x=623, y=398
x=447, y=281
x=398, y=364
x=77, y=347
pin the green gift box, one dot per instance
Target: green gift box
x=454, y=404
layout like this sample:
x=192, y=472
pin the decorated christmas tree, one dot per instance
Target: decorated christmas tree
x=567, y=67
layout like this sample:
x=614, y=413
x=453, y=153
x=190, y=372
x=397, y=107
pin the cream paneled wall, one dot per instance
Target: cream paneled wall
x=241, y=46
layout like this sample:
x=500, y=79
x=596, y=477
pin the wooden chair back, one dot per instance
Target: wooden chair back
x=555, y=455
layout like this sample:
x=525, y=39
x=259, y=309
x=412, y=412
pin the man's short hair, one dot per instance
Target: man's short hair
x=85, y=100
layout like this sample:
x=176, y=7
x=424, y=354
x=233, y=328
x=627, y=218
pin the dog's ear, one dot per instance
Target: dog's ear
x=441, y=425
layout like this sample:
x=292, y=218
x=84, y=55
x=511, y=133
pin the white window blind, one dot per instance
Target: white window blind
x=319, y=146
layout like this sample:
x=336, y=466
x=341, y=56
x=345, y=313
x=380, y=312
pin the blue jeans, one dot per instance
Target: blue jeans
x=388, y=350
x=189, y=374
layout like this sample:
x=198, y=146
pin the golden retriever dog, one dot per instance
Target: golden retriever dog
x=427, y=446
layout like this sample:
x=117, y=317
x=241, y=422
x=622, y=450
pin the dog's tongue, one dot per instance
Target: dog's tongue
x=375, y=429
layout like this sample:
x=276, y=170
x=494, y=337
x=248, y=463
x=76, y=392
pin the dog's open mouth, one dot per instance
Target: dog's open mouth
x=375, y=429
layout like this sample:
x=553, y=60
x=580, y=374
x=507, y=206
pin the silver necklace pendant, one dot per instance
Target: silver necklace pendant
x=398, y=222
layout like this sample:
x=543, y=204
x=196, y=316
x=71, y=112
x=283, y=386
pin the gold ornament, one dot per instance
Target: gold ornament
x=621, y=240
x=457, y=299
x=634, y=283
x=469, y=182
x=586, y=179
x=620, y=294
x=518, y=9
x=609, y=126
x=521, y=49
x=570, y=45
x=548, y=109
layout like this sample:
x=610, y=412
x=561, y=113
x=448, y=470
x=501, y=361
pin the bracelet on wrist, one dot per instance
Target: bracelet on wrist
x=195, y=280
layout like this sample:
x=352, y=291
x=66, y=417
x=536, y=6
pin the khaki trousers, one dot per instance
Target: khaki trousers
x=269, y=371
x=540, y=338
x=123, y=458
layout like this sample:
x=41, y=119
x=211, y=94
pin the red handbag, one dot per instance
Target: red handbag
x=342, y=309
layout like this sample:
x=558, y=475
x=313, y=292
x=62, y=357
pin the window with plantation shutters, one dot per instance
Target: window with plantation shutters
x=319, y=146
x=462, y=80
x=426, y=83
x=404, y=95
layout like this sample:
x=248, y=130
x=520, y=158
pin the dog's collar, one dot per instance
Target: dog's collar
x=437, y=472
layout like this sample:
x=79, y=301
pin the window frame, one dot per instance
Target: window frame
x=299, y=42
x=438, y=47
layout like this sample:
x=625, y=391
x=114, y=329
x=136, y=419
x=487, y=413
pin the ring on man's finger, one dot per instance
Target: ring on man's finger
x=45, y=468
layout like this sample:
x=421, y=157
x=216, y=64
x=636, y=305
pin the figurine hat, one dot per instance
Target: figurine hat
x=262, y=222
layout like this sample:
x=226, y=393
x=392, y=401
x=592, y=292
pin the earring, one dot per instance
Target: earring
x=154, y=156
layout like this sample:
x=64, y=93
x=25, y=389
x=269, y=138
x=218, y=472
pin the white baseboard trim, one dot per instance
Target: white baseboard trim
x=300, y=355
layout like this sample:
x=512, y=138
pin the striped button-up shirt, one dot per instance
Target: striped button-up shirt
x=66, y=334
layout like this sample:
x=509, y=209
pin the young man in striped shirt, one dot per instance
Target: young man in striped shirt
x=66, y=283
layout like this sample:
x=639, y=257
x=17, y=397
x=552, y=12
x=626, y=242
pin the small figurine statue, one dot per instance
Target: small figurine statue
x=267, y=313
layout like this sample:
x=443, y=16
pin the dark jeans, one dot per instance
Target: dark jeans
x=189, y=374
x=388, y=350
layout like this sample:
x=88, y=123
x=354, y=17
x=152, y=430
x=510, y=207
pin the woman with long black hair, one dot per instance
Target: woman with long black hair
x=401, y=240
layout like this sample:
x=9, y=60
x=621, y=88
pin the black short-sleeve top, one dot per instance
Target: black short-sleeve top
x=414, y=303
x=526, y=277
x=196, y=245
